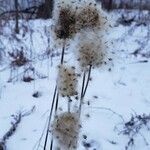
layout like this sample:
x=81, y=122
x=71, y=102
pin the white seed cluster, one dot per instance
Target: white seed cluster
x=90, y=50
x=88, y=18
x=64, y=16
x=72, y=16
x=91, y=16
x=65, y=130
x=67, y=81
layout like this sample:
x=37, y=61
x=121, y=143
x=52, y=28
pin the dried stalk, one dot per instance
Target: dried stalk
x=50, y=116
x=55, y=98
x=85, y=84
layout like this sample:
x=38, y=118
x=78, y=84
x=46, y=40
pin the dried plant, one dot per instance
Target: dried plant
x=91, y=50
x=70, y=18
x=65, y=130
x=64, y=19
x=91, y=53
x=64, y=29
x=91, y=16
x=88, y=18
x=134, y=128
x=17, y=118
x=18, y=58
x=66, y=24
x=67, y=81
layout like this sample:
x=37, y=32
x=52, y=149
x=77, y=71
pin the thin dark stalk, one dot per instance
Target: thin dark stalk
x=51, y=147
x=62, y=61
x=83, y=84
x=40, y=139
x=56, y=106
x=56, y=93
x=82, y=90
x=63, y=53
x=50, y=116
x=88, y=79
x=84, y=87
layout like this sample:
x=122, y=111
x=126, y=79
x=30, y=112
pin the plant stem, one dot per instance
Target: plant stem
x=83, y=84
x=88, y=79
x=84, y=87
x=55, y=96
x=50, y=116
x=82, y=90
x=56, y=105
x=63, y=53
x=51, y=147
x=61, y=62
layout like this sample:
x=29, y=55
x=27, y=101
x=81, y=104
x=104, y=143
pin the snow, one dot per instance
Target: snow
x=123, y=90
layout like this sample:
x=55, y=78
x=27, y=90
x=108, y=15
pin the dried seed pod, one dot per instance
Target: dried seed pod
x=65, y=27
x=91, y=16
x=65, y=19
x=91, y=50
x=65, y=130
x=67, y=81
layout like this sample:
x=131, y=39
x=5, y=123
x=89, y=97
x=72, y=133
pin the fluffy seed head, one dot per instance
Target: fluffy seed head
x=88, y=18
x=66, y=24
x=65, y=19
x=90, y=15
x=67, y=81
x=90, y=50
x=65, y=130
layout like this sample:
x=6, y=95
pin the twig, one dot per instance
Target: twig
x=52, y=141
x=38, y=143
x=88, y=79
x=63, y=53
x=50, y=116
x=108, y=109
x=55, y=96
x=133, y=127
x=17, y=119
x=82, y=90
x=84, y=87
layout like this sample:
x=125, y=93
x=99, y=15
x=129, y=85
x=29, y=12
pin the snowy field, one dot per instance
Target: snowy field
x=114, y=95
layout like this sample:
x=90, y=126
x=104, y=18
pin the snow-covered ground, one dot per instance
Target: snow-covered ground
x=113, y=96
